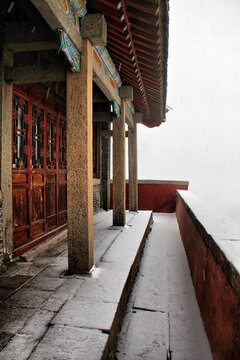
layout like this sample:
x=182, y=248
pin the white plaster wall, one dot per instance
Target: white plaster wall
x=200, y=141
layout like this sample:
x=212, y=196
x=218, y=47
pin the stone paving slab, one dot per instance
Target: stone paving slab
x=19, y=348
x=43, y=282
x=102, y=238
x=128, y=242
x=5, y=337
x=38, y=324
x=14, y=268
x=5, y=293
x=146, y=338
x=66, y=343
x=151, y=291
x=106, y=287
x=13, y=281
x=30, y=269
x=12, y=319
x=105, y=239
x=65, y=291
x=54, y=271
x=28, y=298
x=84, y=314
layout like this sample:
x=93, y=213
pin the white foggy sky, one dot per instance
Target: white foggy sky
x=200, y=140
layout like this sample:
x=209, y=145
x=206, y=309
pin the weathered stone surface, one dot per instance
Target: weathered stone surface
x=104, y=241
x=29, y=74
x=106, y=287
x=62, y=343
x=119, y=186
x=54, y=271
x=12, y=319
x=44, y=283
x=38, y=324
x=31, y=270
x=137, y=117
x=106, y=156
x=80, y=301
x=19, y=348
x=146, y=337
x=152, y=291
x=5, y=292
x=126, y=92
x=60, y=261
x=55, y=302
x=14, y=268
x=86, y=314
x=122, y=245
x=5, y=337
x=57, y=249
x=184, y=328
x=65, y=291
x=70, y=286
x=94, y=28
x=43, y=260
x=28, y=297
x=79, y=161
x=6, y=105
x=13, y=281
x=132, y=168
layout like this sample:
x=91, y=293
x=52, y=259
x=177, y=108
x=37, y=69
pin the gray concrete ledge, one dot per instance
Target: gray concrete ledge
x=220, y=234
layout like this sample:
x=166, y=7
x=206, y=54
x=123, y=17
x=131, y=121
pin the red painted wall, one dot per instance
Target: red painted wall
x=155, y=197
x=217, y=300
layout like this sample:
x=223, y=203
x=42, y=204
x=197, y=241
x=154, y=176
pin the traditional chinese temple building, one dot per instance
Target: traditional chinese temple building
x=73, y=75
x=69, y=70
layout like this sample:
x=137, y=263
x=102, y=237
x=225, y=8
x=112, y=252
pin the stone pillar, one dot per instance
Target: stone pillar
x=105, y=181
x=119, y=186
x=132, y=168
x=79, y=165
x=6, y=104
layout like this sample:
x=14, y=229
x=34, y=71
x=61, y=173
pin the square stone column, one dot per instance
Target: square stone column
x=105, y=181
x=132, y=168
x=119, y=186
x=79, y=165
x=6, y=105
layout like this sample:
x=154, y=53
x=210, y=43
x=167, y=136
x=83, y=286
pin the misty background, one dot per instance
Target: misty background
x=200, y=141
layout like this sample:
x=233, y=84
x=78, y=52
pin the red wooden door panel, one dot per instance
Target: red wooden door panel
x=39, y=166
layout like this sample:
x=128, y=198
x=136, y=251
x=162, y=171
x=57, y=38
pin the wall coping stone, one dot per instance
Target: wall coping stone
x=220, y=234
x=161, y=182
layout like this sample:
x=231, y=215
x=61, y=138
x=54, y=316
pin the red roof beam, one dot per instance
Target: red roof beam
x=143, y=17
x=134, y=58
x=151, y=30
x=112, y=13
x=142, y=35
x=143, y=6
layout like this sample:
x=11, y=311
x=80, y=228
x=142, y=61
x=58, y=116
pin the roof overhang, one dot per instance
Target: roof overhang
x=137, y=41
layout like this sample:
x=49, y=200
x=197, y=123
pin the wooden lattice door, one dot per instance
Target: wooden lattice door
x=39, y=167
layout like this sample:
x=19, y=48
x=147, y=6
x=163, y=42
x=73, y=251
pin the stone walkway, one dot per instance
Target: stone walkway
x=163, y=319
x=46, y=315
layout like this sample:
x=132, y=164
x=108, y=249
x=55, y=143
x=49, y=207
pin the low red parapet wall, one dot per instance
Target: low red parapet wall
x=155, y=195
x=216, y=283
